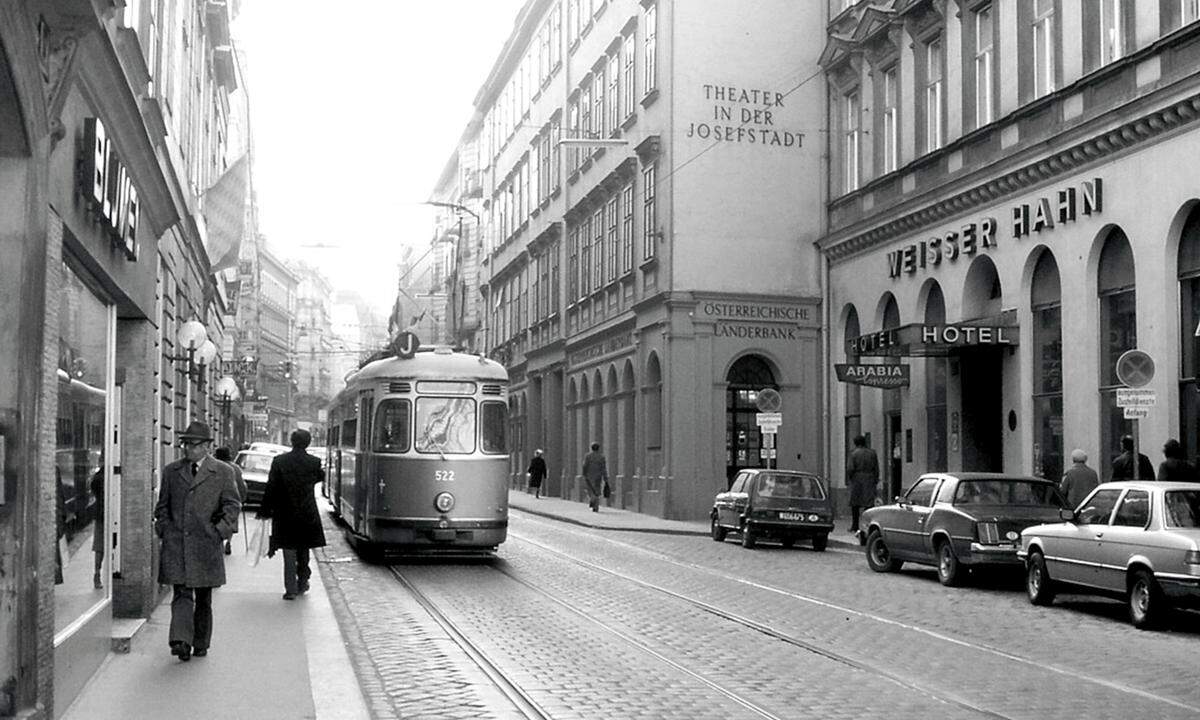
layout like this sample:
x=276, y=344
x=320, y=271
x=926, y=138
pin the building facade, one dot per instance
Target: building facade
x=458, y=196
x=1010, y=211
x=114, y=126
x=314, y=347
x=647, y=268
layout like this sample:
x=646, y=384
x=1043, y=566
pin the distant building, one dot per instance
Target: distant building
x=313, y=369
x=652, y=177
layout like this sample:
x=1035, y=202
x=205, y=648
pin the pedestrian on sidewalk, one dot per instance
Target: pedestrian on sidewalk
x=1176, y=468
x=862, y=472
x=595, y=474
x=536, y=473
x=225, y=455
x=1079, y=480
x=290, y=501
x=197, y=509
x=1122, y=467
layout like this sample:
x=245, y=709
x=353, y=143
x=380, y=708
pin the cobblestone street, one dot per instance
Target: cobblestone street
x=590, y=624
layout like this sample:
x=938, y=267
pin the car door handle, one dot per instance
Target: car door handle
x=1099, y=535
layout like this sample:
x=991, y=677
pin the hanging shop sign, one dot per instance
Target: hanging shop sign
x=240, y=369
x=1064, y=205
x=107, y=188
x=880, y=376
x=919, y=339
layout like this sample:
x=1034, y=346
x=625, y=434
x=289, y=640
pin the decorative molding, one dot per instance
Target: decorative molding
x=850, y=242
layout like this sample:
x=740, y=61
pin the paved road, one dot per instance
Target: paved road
x=608, y=624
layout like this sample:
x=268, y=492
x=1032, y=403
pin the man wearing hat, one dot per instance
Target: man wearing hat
x=197, y=510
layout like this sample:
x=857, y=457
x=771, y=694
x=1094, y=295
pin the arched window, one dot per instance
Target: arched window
x=1189, y=320
x=743, y=441
x=891, y=319
x=935, y=387
x=653, y=401
x=852, y=421
x=1118, y=333
x=1046, y=303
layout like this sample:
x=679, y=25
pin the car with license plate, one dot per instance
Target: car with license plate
x=957, y=521
x=256, y=465
x=778, y=505
x=1134, y=541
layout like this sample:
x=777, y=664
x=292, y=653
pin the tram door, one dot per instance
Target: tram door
x=363, y=469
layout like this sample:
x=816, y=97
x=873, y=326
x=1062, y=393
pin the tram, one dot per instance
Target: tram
x=417, y=455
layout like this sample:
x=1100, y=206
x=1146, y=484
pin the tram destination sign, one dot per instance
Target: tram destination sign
x=874, y=375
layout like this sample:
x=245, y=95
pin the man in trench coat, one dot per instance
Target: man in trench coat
x=290, y=502
x=197, y=510
x=595, y=475
x=862, y=472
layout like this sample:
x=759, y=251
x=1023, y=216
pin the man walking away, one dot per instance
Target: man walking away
x=1079, y=480
x=1122, y=467
x=197, y=509
x=595, y=474
x=537, y=473
x=226, y=456
x=1176, y=468
x=862, y=476
x=291, y=503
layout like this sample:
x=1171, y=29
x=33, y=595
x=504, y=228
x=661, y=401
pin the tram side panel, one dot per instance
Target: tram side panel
x=404, y=508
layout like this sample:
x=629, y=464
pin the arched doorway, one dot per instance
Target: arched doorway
x=743, y=442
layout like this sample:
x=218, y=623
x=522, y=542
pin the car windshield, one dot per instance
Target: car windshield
x=1183, y=508
x=789, y=486
x=1007, y=492
x=255, y=463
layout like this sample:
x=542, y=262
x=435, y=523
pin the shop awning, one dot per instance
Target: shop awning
x=933, y=340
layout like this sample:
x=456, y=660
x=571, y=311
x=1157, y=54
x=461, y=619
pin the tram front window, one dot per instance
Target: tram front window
x=445, y=425
x=495, y=419
x=391, y=427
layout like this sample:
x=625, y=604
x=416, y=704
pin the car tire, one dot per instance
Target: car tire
x=1147, y=605
x=820, y=542
x=879, y=556
x=950, y=572
x=1038, y=584
x=749, y=539
x=718, y=530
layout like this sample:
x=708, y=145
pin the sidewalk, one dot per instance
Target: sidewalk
x=609, y=518
x=270, y=658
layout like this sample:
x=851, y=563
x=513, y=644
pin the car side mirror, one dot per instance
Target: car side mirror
x=899, y=500
x=1067, y=515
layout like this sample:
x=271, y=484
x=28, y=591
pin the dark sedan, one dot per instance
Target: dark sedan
x=782, y=505
x=954, y=521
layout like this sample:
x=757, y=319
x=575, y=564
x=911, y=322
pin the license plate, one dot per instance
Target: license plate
x=790, y=516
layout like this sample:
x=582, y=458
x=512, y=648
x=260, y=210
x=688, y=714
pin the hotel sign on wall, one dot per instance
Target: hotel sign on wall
x=107, y=188
x=1063, y=206
x=746, y=116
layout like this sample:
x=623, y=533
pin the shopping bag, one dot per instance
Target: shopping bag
x=607, y=490
x=260, y=542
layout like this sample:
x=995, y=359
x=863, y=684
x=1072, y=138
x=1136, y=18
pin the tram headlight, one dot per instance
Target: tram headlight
x=444, y=502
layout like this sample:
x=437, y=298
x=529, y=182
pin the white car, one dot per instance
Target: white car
x=1137, y=541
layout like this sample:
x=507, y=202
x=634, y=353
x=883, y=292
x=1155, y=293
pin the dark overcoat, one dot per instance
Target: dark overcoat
x=537, y=471
x=291, y=503
x=193, y=517
x=862, y=475
x=595, y=471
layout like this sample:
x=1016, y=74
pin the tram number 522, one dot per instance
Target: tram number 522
x=443, y=475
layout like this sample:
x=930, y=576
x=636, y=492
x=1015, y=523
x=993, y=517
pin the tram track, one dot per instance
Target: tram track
x=824, y=651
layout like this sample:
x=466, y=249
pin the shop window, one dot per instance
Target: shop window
x=1047, y=369
x=81, y=578
x=1118, y=333
x=652, y=391
x=935, y=389
x=1189, y=344
x=744, y=443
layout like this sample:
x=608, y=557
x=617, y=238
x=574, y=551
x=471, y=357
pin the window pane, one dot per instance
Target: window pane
x=1183, y=508
x=1118, y=324
x=1134, y=510
x=391, y=426
x=445, y=425
x=495, y=418
x=1048, y=436
x=1098, y=508
x=921, y=494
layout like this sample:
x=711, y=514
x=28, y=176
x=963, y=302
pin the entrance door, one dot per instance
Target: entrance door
x=743, y=441
x=894, y=455
x=982, y=410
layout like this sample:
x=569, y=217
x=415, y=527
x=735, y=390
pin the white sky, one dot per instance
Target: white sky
x=355, y=107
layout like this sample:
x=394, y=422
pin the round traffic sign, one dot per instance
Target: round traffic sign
x=769, y=400
x=1135, y=368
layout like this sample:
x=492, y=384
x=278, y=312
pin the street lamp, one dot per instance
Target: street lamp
x=227, y=393
x=200, y=351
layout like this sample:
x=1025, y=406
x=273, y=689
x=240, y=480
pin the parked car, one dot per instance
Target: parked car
x=957, y=521
x=255, y=465
x=269, y=447
x=1136, y=541
x=780, y=505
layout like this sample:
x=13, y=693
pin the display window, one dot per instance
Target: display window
x=85, y=351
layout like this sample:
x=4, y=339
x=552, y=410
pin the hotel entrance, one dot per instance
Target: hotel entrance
x=979, y=374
